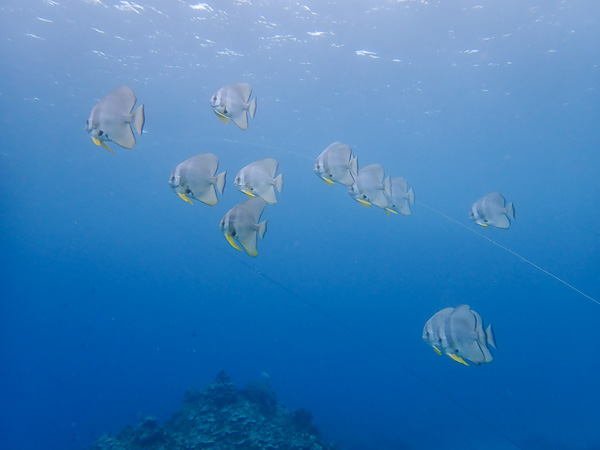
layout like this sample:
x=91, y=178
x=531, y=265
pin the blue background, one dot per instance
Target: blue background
x=116, y=295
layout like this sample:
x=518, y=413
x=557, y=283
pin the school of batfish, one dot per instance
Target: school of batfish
x=457, y=332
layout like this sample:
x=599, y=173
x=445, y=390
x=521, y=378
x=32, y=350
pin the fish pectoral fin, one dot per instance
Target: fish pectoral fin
x=364, y=203
x=232, y=242
x=437, y=350
x=458, y=359
x=328, y=181
x=484, y=225
x=184, y=197
x=96, y=141
x=248, y=193
x=388, y=211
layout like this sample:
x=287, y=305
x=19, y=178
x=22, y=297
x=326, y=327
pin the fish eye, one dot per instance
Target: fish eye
x=100, y=133
x=188, y=191
x=364, y=196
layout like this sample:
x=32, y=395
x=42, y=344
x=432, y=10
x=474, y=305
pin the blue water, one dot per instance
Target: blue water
x=117, y=296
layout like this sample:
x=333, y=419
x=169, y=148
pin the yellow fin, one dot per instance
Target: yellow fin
x=458, y=359
x=106, y=146
x=222, y=117
x=364, y=203
x=437, y=350
x=329, y=181
x=96, y=141
x=388, y=211
x=232, y=242
x=184, y=198
x=484, y=225
x=248, y=193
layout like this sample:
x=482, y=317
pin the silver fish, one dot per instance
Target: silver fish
x=336, y=164
x=401, y=198
x=430, y=330
x=233, y=102
x=195, y=178
x=258, y=178
x=492, y=210
x=112, y=119
x=371, y=187
x=241, y=224
x=458, y=332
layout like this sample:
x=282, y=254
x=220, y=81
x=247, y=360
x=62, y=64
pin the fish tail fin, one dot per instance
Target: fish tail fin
x=510, y=211
x=411, y=196
x=138, y=119
x=354, y=165
x=220, y=182
x=252, y=107
x=262, y=229
x=489, y=334
x=279, y=182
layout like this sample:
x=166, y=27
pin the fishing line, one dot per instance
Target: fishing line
x=360, y=337
x=348, y=329
x=522, y=258
x=570, y=286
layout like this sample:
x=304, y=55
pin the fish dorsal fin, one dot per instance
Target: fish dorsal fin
x=342, y=151
x=269, y=165
x=496, y=199
x=205, y=161
x=245, y=90
x=375, y=171
x=255, y=206
x=124, y=97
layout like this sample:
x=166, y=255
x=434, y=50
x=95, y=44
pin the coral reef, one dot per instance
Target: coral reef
x=221, y=416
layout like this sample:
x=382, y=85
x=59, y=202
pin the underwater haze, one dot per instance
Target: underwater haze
x=117, y=295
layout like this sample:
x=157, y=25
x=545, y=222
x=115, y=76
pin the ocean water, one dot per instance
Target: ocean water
x=117, y=296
